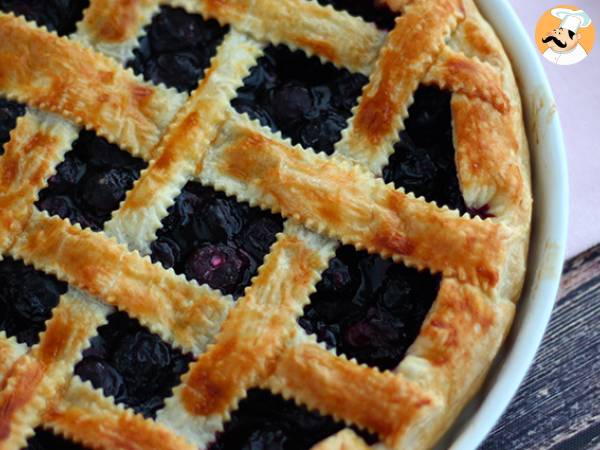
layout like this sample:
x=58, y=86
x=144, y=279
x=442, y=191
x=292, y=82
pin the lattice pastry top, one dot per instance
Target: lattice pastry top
x=261, y=135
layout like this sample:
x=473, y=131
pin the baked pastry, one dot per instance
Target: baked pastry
x=199, y=245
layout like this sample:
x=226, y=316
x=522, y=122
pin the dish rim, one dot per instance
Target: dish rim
x=548, y=237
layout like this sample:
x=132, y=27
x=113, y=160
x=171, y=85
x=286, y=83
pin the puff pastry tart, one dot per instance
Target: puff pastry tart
x=253, y=224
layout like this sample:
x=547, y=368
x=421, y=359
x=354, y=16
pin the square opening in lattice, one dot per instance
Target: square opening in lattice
x=132, y=364
x=423, y=161
x=27, y=297
x=369, y=308
x=59, y=16
x=91, y=182
x=267, y=421
x=214, y=239
x=9, y=112
x=375, y=11
x=308, y=101
x=46, y=440
x=177, y=48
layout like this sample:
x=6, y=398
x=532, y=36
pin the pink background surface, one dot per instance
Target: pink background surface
x=577, y=92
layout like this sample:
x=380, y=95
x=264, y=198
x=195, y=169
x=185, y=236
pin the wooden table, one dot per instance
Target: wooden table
x=558, y=405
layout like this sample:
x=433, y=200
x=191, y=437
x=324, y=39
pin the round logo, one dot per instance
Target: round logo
x=565, y=35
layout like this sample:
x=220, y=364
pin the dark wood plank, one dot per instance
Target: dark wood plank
x=558, y=405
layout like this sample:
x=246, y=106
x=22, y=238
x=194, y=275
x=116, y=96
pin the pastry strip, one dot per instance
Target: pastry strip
x=113, y=27
x=36, y=146
x=37, y=377
x=460, y=74
x=342, y=440
x=10, y=351
x=316, y=29
x=256, y=332
x=85, y=415
x=487, y=158
x=341, y=199
x=179, y=311
x=180, y=153
x=379, y=401
x=404, y=60
x=58, y=75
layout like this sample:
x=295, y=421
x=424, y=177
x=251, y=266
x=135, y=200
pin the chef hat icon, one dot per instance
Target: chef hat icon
x=572, y=20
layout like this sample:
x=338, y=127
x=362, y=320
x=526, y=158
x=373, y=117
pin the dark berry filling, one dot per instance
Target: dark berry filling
x=306, y=100
x=132, y=364
x=177, y=48
x=369, y=308
x=267, y=421
x=27, y=298
x=91, y=182
x=423, y=160
x=46, y=440
x=9, y=112
x=370, y=10
x=213, y=239
x=56, y=15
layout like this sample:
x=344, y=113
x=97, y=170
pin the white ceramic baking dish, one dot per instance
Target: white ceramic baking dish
x=548, y=238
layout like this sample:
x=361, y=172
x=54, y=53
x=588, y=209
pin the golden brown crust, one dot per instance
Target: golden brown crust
x=113, y=26
x=381, y=402
x=115, y=21
x=87, y=417
x=259, y=343
x=17, y=391
x=37, y=145
x=403, y=62
x=253, y=336
x=487, y=156
x=181, y=152
x=345, y=202
x=460, y=74
x=176, y=309
x=256, y=330
x=58, y=75
x=316, y=29
x=10, y=351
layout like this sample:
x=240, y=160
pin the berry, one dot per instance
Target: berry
x=132, y=364
x=306, y=100
x=423, y=161
x=27, y=298
x=104, y=191
x=142, y=357
x=220, y=266
x=174, y=29
x=187, y=204
x=91, y=182
x=182, y=69
x=369, y=308
x=63, y=207
x=259, y=235
x=177, y=48
x=291, y=103
x=165, y=251
x=9, y=112
x=68, y=173
x=213, y=239
x=102, y=376
x=97, y=348
x=221, y=220
x=267, y=421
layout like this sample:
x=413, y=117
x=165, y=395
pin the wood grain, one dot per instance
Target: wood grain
x=558, y=405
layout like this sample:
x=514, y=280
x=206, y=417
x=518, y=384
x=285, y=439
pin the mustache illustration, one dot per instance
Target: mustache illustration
x=556, y=41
